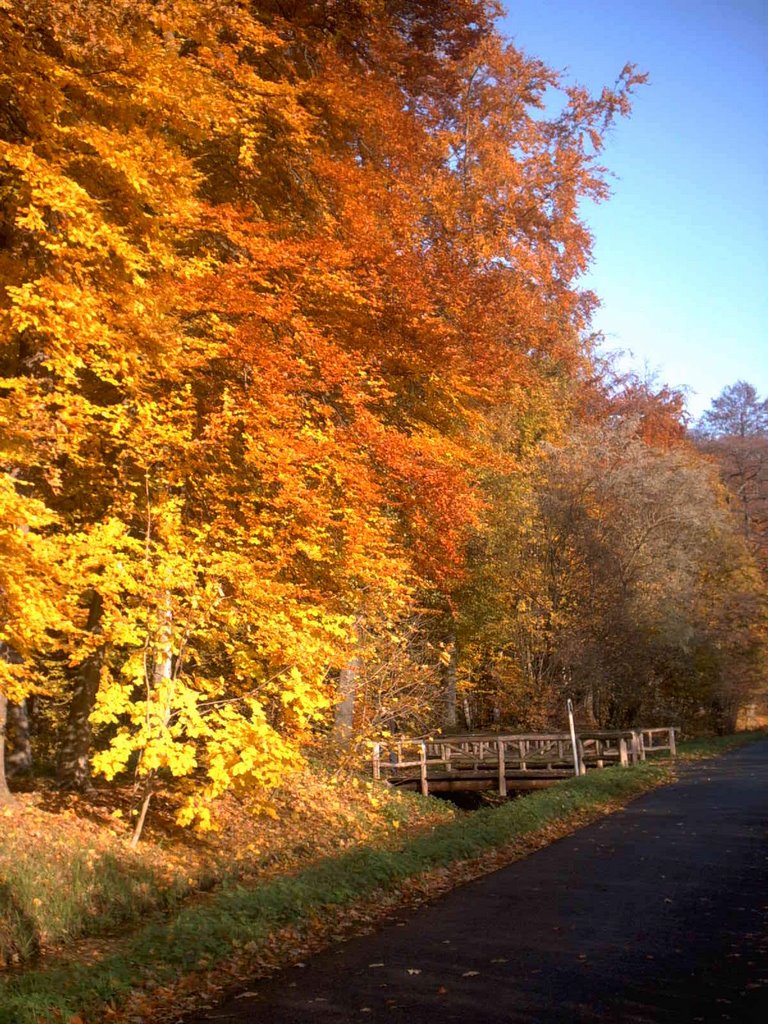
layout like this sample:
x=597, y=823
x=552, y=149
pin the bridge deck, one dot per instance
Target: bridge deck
x=515, y=761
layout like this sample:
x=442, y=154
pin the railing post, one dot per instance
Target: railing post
x=576, y=768
x=377, y=760
x=582, y=763
x=423, y=767
x=638, y=750
x=502, y=769
x=672, y=744
x=623, y=752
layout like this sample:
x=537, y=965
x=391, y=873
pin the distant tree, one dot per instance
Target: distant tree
x=735, y=431
x=736, y=412
x=621, y=582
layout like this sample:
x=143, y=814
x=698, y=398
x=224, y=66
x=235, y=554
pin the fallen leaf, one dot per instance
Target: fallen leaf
x=414, y=970
x=470, y=974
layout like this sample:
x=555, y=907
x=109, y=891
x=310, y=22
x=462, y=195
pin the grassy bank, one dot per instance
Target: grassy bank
x=67, y=873
x=711, y=746
x=238, y=920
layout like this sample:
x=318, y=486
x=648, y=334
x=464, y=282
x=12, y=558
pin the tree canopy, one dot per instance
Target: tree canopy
x=736, y=412
x=292, y=336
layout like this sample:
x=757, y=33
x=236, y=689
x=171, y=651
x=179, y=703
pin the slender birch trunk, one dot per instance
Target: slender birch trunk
x=349, y=684
x=344, y=720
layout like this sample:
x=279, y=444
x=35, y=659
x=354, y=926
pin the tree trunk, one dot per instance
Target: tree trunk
x=149, y=788
x=8, y=654
x=349, y=684
x=450, y=718
x=5, y=794
x=162, y=680
x=19, y=756
x=344, y=720
x=74, y=767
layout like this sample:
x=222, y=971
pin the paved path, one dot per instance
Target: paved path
x=656, y=913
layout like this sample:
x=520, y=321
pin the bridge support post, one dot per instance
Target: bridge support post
x=423, y=768
x=623, y=759
x=502, y=769
x=580, y=759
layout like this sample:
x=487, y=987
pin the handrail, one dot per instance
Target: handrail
x=521, y=753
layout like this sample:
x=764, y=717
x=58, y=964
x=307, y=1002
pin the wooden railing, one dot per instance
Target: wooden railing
x=659, y=739
x=544, y=755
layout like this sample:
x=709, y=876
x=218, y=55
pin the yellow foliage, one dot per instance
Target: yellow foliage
x=252, y=381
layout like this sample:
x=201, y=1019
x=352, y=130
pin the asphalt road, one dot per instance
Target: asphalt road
x=656, y=913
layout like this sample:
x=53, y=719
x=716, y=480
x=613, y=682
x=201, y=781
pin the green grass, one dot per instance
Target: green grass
x=209, y=932
x=711, y=746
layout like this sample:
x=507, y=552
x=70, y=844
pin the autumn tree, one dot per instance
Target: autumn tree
x=736, y=412
x=272, y=277
x=734, y=431
x=108, y=366
x=613, y=584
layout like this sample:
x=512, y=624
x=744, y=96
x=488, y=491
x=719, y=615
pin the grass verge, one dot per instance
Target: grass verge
x=711, y=746
x=207, y=935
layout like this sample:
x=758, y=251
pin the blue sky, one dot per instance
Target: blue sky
x=681, y=249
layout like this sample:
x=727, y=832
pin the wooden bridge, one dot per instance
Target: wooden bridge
x=511, y=762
